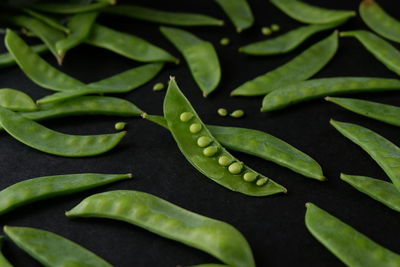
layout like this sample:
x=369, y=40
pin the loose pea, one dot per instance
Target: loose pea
x=262, y=181
x=250, y=176
x=204, y=141
x=195, y=128
x=225, y=41
x=158, y=87
x=119, y=126
x=235, y=168
x=222, y=112
x=224, y=161
x=237, y=113
x=275, y=27
x=266, y=31
x=210, y=151
x=186, y=116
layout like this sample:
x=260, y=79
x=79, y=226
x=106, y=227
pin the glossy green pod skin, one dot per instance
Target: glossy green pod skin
x=41, y=138
x=381, y=112
x=382, y=191
x=51, y=249
x=352, y=247
x=33, y=190
x=120, y=83
x=163, y=17
x=128, y=45
x=70, y=8
x=6, y=59
x=239, y=12
x=377, y=46
x=156, y=215
x=379, y=21
x=175, y=104
x=3, y=261
x=286, y=42
x=306, y=13
x=318, y=88
x=16, y=100
x=384, y=152
x=298, y=69
x=46, y=19
x=200, y=56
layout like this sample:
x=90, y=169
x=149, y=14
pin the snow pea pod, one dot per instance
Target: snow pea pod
x=379, y=21
x=382, y=191
x=200, y=56
x=163, y=17
x=350, y=246
x=206, y=154
x=3, y=261
x=382, y=112
x=156, y=215
x=298, y=69
x=33, y=190
x=51, y=249
x=317, y=88
x=128, y=45
x=384, y=152
x=6, y=59
x=41, y=138
x=46, y=19
x=239, y=13
x=16, y=100
x=286, y=42
x=306, y=13
x=377, y=46
x=71, y=8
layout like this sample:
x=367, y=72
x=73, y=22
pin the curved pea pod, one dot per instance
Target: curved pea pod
x=382, y=191
x=46, y=19
x=382, y=112
x=128, y=45
x=163, y=17
x=379, y=20
x=220, y=166
x=33, y=190
x=156, y=215
x=306, y=13
x=41, y=138
x=318, y=88
x=384, y=152
x=6, y=59
x=71, y=8
x=199, y=55
x=16, y=100
x=239, y=12
x=350, y=246
x=52, y=250
x=381, y=49
x=298, y=69
x=286, y=42
x=120, y=83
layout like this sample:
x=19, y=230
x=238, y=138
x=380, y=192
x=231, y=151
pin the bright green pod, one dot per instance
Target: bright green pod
x=381, y=112
x=71, y=8
x=6, y=59
x=377, y=46
x=300, y=68
x=36, y=189
x=239, y=12
x=384, y=152
x=175, y=104
x=303, y=12
x=163, y=17
x=16, y=100
x=379, y=20
x=286, y=42
x=52, y=250
x=3, y=261
x=43, y=139
x=382, y=191
x=128, y=45
x=318, y=88
x=200, y=55
x=156, y=215
x=46, y=19
x=352, y=247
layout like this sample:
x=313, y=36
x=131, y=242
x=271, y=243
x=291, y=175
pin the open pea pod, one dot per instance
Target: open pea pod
x=16, y=100
x=3, y=261
x=156, y=215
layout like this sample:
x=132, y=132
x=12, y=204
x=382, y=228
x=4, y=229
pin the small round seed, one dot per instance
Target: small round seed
x=210, y=151
x=158, y=87
x=120, y=126
x=250, y=176
x=235, y=168
x=261, y=181
x=266, y=31
x=237, y=113
x=222, y=112
x=224, y=161
x=195, y=128
x=275, y=27
x=186, y=116
x=204, y=141
x=224, y=41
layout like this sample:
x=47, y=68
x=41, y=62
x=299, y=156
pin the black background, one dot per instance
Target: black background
x=274, y=225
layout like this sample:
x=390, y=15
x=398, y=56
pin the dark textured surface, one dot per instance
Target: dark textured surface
x=274, y=226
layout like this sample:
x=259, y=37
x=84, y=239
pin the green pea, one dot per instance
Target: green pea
x=266, y=31
x=210, y=151
x=225, y=161
x=222, y=112
x=237, y=113
x=204, y=141
x=235, y=168
x=186, y=116
x=119, y=126
x=250, y=176
x=275, y=27
x=262, y=181
x=195, y=128
x=158, y=87
x=224, y=41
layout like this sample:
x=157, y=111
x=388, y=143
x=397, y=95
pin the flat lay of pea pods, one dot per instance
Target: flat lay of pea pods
x=227, y=184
